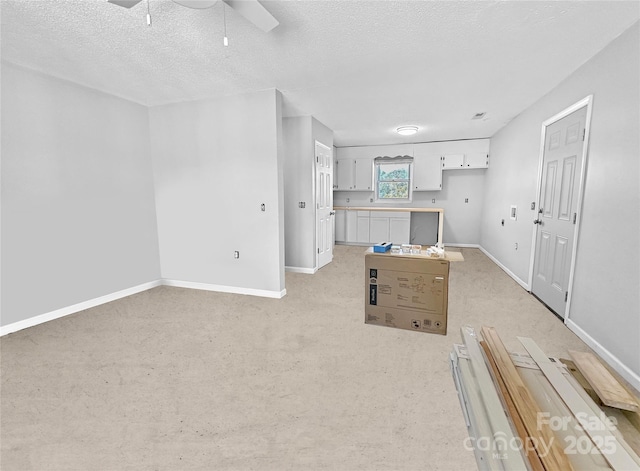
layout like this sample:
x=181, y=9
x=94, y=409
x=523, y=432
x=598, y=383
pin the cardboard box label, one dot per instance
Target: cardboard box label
x=422, y=292
x=373, y=295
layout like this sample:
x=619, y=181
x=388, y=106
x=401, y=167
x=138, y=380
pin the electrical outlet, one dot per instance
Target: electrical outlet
x=433, y=200
x=236, y=254
x=533, y=205
x=466, y=200
x=263, y=207
x=516, y=246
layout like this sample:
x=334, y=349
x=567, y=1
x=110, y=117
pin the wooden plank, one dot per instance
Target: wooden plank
x=624, y=430
x=495, y=412
x=549, y=449
x=575, y=372
x=578, y=447
x=613, y=451
x=532, y=456
x=605, y=384
x=633, y=417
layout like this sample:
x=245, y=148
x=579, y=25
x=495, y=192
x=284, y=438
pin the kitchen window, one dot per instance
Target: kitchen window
x=393, y=178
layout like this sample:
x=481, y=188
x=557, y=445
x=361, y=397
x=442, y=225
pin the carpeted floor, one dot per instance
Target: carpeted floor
x=174, y=379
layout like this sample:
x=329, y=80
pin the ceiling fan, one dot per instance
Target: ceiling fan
x=250, y=9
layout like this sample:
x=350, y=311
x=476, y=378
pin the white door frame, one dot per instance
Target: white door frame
x=588, y=102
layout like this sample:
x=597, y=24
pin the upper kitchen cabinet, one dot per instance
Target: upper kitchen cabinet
x=465, y=161
x=427, y=168
x=354, y=174
x=354, y=165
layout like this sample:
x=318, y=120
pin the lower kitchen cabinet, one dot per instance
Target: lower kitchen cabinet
x=378, y=228
x=341, y=225
x=362, y=231
x=346, y=225
x=372, y=227
x=390, y=226
x=400, y=229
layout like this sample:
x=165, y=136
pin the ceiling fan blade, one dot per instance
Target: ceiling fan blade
x=255, y=13
x=125, y=3
x=198, y=4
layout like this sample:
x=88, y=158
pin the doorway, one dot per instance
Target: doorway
x=324, y=205
x=561, y=175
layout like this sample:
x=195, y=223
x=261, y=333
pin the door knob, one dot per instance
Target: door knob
x=537, y=221
x=332, y=213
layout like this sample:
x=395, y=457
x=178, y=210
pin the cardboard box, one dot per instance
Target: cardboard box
x=406, y=291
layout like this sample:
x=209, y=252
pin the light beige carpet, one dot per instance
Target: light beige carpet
x=174, y=379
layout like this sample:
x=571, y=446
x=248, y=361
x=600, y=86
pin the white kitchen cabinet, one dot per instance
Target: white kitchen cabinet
x=341, y=225
x=351, y=226
x=452, y=161
x=477, y=160
x=373, y=227
x=344, y=174
x=335, y=167
x=363, y=175
x=400, y=228
x=427, y=169
x=362, y=229
x=354, y=174
x=465, y=161
x=354, y=165
x=378, y=228
x=389, y=226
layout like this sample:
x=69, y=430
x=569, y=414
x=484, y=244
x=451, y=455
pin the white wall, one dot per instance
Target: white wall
x=298, y=186
x=300, y=134
x=215, y=163
x=78, y=216
x=605, y=298
x=461, y=220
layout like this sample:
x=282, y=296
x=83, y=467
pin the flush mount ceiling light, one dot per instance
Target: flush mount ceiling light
x=407, y=130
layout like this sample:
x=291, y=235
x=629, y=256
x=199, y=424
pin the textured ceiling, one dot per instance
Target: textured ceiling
x=361, y=67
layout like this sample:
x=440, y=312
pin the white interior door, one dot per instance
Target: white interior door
x=324, y=205
x=560, y=190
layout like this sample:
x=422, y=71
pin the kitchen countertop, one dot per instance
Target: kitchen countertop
x=382, y=208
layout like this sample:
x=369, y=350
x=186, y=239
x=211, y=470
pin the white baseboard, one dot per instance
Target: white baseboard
x=308, y=271
x=464, y=246
x=225, y=289
x=505, y=269
x=606, y=355
x=632, y=377
x=65, y=311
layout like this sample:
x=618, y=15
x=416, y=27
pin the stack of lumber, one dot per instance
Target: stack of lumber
x=531, y=412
